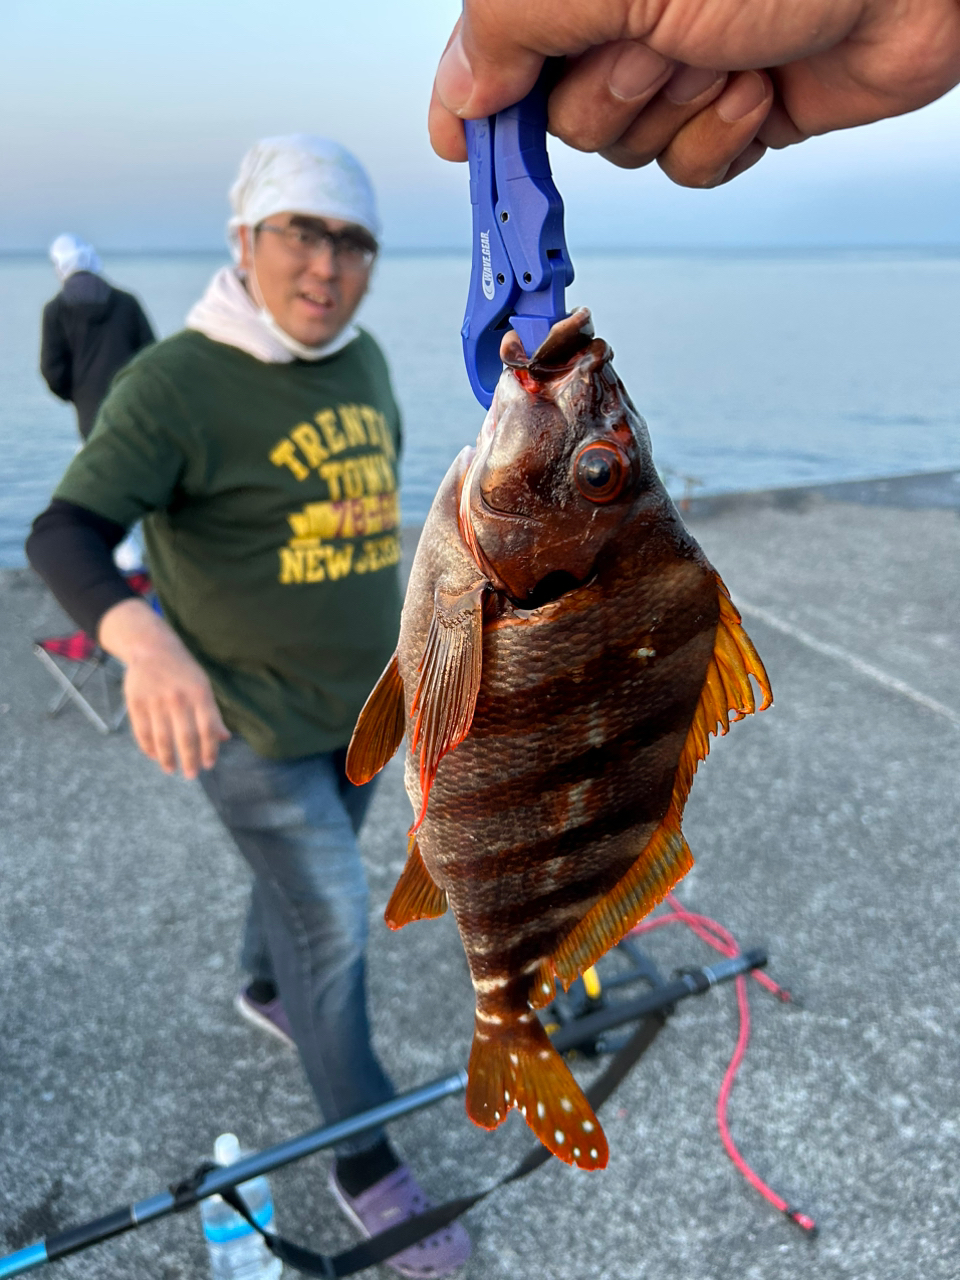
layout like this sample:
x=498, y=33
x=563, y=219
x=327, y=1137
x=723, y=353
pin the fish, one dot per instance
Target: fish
x=565, y=653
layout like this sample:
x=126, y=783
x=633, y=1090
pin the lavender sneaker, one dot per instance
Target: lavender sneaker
x=268, y=1015
x=392, y=1200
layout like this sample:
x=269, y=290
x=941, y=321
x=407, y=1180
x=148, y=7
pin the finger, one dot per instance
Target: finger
x=601, y=93
x=747, y=158
x=445, y=128
x=896, y=59
x=479, y=83
x=499, y=46
x=779, y=130
x=162, y=734
x=446, y=131
x=212, y=732
x=686, y=93
x=705, y=147
x=186, y=736
x=140, y=726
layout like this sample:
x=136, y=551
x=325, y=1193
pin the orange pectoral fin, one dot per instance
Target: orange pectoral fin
x=520, y=1068
x=415, y=895
x=665, y=858
x=450, y=671
x=379, y=728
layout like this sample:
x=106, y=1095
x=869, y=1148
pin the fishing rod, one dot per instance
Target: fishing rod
x=582, y=1030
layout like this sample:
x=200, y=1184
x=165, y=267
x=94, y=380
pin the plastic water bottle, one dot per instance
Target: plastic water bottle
x=236, y=1251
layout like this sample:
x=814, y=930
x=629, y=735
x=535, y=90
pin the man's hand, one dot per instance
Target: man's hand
x=701, y=86
x=169, y=700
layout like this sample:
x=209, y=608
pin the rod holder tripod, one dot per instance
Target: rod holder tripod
x=584, y=1030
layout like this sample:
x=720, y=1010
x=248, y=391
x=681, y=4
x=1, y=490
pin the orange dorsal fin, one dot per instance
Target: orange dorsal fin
x=666, y=858
x=449, y=682
x=415, y=896
x=379, y=728
x=519, y=1067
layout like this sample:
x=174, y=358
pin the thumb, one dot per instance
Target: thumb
x=498, y=46
x=480, y=74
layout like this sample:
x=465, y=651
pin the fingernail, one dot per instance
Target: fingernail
x=636, y=71
x=744, y=95
x=688, y=83
x=754, y=152
x=454, y=82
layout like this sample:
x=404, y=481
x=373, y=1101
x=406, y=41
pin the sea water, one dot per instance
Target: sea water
x=752, y=370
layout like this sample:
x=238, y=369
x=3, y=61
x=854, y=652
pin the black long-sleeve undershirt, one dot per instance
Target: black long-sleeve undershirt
x=72, y=550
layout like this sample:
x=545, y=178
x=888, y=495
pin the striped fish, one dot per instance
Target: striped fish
x=565, y=651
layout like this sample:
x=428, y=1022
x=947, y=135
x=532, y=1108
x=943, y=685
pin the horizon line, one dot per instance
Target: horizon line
x=464, y=250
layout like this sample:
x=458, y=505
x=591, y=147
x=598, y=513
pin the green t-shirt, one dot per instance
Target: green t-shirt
x=268, y=494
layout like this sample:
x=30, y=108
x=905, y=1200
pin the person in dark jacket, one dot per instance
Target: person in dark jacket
x=90, y=330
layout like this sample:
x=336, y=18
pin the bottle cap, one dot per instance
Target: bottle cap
x=226, y=1149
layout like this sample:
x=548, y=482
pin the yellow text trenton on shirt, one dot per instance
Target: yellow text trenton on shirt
x=362, y=496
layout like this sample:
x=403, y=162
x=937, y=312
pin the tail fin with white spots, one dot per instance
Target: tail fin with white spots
x=517, y=1066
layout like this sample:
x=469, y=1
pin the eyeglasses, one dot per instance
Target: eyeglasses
x=353, y=248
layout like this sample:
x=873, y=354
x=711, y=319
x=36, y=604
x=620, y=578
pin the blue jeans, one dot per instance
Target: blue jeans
x=295, y=822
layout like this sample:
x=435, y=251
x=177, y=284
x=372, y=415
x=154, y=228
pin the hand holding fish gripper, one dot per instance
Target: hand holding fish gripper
x=521, y=266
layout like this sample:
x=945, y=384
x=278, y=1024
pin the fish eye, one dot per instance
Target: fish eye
x=600, y=472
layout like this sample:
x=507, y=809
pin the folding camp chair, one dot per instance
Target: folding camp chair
x=87, y=675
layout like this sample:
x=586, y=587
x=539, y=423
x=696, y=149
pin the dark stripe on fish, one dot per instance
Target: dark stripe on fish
x=549, y=701
x=640, y=743
x=508, y=915
x=568, y=844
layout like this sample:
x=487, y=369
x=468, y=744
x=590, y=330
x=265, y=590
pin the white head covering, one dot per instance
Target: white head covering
x=70, y=254
x=301, y=173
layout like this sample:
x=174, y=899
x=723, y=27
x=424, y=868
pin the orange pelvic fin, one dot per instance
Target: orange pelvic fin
x=446, y=692
x=666, y=858
x=415, y=895
x=520, y=1068
x=379, y=728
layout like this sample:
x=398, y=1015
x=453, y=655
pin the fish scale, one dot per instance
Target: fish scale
x=565, y=651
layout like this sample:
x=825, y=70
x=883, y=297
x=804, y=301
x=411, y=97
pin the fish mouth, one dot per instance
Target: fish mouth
x=557, y=584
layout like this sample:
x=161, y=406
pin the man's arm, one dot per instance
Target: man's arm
x=56, y=363
x=71, y=549
x=169, y=699
x=702, y=86
x=133, y=463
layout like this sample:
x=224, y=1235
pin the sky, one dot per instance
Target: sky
x=125, y=122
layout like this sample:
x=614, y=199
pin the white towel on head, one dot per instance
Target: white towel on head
x=300, y=173
x=226, y=313
x=70, y=254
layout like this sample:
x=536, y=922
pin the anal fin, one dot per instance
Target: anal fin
x=379, y=728
x=665, y=858
x=519, y=1067
x=543, y=988
x=415, y=895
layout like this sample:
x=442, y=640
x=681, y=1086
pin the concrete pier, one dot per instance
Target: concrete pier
x=824, y=830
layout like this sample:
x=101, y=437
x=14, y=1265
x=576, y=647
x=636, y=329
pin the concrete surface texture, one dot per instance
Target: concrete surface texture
x=823, y=829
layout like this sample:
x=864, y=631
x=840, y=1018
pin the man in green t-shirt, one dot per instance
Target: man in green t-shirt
x=259, y=446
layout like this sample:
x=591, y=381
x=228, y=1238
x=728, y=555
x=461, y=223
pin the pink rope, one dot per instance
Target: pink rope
x=715, y=935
